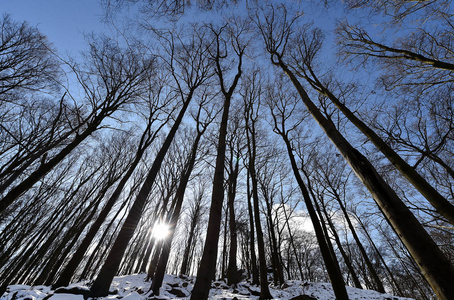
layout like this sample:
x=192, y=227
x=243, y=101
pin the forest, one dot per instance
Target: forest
x=259, y=141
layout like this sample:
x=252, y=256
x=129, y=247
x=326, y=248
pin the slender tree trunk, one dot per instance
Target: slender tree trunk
x=102, y=283
x=292, y=243
x=341, y=249
x=146, y=258
x=175, y=215
x=224, y=244
x=377, y=281
x=275, y=249
x=185, y=260
x=407, y=271
x=68, y=272
x=264, y=289
x=60, y=253
x=89, y=265
x=332, y=267
x=255, y=274
x=155, y=260
x=207, y=267
x=232, y=271
x=143, y=254
x=391, y=276
x=250, y=121
x=195, y=219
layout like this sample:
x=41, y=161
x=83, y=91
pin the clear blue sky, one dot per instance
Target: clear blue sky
x=63, y=21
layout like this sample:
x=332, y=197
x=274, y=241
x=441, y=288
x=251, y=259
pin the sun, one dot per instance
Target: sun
x=161, y=231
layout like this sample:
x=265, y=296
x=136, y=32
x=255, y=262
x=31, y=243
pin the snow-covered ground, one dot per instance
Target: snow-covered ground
x=134, y=287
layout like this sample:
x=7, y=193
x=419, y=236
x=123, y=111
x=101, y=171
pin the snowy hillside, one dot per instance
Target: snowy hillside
x=134, y=287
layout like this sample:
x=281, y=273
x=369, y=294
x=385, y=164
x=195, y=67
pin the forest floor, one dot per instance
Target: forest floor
x=134, y=287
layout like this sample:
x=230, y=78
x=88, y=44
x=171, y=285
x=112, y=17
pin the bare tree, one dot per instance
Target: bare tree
x=173, y=213
x=166, y=9
x=193, y=64
x=252, y=98
x=401, y=11
x=305, y=48
x=424, y=250
x=282, y=109
x=194, y=217
x=26, y=60
x=234, y=143
x=114, y=78
x=148, y=136
x=226, y=39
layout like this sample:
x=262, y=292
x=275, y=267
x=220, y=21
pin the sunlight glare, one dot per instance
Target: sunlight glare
x=161, y=231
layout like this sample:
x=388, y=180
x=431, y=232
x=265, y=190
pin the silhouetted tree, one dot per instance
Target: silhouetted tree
x=231, y=37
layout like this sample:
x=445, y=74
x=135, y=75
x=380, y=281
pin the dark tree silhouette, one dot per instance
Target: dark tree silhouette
x=222, y=36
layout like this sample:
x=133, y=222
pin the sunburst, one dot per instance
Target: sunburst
x=161, y=231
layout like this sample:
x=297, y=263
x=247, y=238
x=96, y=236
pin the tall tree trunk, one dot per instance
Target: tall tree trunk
x=175, y=215
x=60, y=253
x=341, y=248
x=433, y=263
x=393, y=280
x=232, y=271
x=87, y=271
x=252, y=153
x=224, y=244
x=332, y=267
x=102, y=283
x=143, y=253
x=440, y=203
x=185, y=261
x=264, y=289
x=254, y=269
x=207, y=268
x=274, y=248
x=292, y=243
x=251, y=136
x=377, y=281
x=405, y=268
x=145, y=259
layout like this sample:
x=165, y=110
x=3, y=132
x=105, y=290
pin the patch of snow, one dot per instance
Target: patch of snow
x=42, y=288
x=66, y=297
x=17, y=287
x=134, y=287
x=133, y=296
x=79, y=286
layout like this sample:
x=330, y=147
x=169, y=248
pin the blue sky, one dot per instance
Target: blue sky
x=64, y=22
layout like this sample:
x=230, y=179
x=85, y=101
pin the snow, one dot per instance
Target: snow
x=66, y=297
x=133, y=296
x=134, y=287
